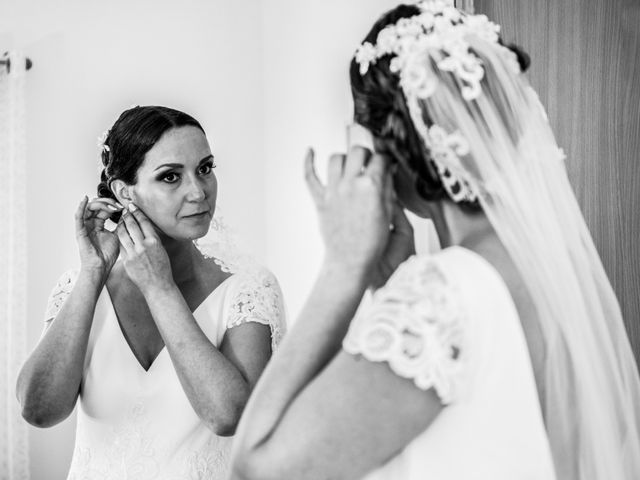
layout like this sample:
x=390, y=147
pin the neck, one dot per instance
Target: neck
x=182, y=256
x=458, y=227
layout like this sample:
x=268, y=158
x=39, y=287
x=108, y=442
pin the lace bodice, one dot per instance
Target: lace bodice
x=416, y=324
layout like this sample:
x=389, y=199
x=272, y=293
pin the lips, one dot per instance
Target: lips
x=197, y=215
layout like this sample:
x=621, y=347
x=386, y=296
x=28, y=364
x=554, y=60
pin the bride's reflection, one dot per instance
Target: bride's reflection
x=160, y=339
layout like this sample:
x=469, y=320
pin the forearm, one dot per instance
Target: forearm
x=49, y=381
x=215, y=387
x=306, y=350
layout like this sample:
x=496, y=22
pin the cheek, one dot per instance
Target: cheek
x=212, y=188
x=157, y=204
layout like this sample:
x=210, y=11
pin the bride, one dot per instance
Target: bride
x=159, y=339
x=503, y=356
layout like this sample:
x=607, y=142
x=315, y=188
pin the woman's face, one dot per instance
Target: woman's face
x=176, y=187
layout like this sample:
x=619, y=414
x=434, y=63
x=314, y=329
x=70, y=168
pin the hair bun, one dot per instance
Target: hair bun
x=524, y=60
x=104, y=191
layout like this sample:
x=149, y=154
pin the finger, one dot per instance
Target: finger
x=109, y=200
x=97, y=222
x=100, y=210
x=143, y=221
x=311, y=177
x=400, y=221
x=355, y=162
x=132, y=228
x=377, y=168
x=109, y=203
x=97, y=212
x=125, y=239
x=335, y=168
x=79, y=217
x=388, y=192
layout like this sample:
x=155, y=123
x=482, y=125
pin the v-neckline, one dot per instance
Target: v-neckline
x=123, y=336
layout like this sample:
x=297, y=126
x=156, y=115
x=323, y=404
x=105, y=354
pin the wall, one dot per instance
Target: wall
x=91, y=61
x=586, y=68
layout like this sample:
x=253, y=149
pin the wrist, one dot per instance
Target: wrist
x=355, y=274
x=94, y=275
x=359, y=270
x=158, y=288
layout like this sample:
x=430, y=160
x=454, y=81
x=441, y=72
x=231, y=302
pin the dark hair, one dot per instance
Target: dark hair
x=379, y=105
x=133, y=134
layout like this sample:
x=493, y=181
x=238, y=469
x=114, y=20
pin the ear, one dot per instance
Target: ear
x=123, y=192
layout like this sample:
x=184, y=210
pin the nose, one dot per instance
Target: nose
x=195, y=190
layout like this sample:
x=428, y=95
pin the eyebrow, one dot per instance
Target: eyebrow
x=181, y=165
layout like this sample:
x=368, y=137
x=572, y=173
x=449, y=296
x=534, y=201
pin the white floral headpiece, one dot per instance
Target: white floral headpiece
x=438, y=27
x=101, y=139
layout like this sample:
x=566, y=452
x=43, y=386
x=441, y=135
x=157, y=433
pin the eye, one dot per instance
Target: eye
x=170, y=177
x=206, y=168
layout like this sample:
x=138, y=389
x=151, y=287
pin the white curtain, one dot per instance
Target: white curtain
x=13, y=265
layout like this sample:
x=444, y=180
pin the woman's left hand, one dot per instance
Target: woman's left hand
x=355, y=207
x=145, y=259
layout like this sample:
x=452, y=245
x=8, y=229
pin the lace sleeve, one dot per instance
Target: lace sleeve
x=258, y=298
x=414, y=323
x=59, y=294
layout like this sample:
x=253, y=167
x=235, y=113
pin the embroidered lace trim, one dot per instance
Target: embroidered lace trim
x=415, y=323
x=258, y=299
x=59, y=294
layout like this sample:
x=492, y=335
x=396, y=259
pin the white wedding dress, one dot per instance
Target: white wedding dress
x=447, y=322
x=138, y=424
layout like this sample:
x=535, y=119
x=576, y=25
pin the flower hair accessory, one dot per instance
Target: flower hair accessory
x=439, y=30
x=437, y=39
x=101, y=139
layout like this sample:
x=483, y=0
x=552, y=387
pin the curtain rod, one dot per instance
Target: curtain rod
x=7, y=62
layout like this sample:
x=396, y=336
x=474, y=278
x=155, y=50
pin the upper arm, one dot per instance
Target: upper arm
x=255, y=324
x=248, y=347
x=403, y=359
x=352, y=418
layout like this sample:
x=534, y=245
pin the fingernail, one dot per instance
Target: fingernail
x=113, y=207
x=132, y=207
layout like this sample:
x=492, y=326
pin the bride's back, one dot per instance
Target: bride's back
x=492, y=250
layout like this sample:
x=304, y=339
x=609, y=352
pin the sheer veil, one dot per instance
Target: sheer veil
x=481, y=121
x=224, y=246
x=589, y=389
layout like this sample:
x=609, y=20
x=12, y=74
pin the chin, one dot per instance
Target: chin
x=195, y=233
x=192, y=232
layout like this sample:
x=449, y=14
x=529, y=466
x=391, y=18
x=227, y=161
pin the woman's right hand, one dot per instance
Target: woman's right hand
x=99, y=248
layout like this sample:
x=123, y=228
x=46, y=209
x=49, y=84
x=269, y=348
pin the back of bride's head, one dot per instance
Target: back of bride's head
x=416, y=77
